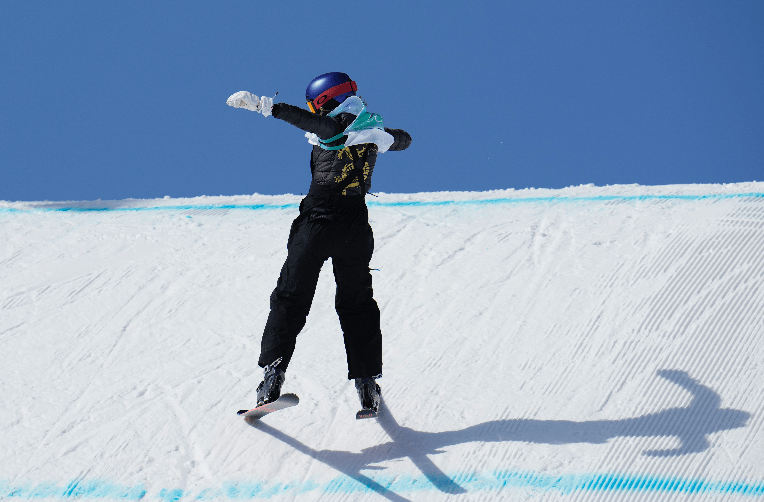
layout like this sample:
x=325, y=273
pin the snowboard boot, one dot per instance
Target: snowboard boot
x=369, y=393
x=270, y=388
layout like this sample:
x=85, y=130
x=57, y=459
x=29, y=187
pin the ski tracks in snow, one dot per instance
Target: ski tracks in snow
x=527, y=345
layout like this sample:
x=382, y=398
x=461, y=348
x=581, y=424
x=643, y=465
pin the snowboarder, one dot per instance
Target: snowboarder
x=333, y=223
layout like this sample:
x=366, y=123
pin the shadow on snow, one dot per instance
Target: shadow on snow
x=691, y=425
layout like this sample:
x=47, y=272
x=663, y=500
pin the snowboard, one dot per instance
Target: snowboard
x=365, y=414
x=285, y=401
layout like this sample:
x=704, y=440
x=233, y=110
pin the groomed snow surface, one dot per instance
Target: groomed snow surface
x=590, y=343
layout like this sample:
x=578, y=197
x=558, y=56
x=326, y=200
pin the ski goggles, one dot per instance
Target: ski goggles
x=316, y=103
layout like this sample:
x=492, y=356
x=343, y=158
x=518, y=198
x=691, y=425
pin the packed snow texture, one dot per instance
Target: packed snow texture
x=590, y=343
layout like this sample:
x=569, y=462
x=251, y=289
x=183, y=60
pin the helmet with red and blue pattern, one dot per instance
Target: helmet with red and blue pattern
x=323, y=89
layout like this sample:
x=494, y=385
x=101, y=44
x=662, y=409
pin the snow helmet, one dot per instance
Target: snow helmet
x=322, y=89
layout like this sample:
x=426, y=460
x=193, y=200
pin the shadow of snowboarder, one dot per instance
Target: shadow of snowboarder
x=691, y=425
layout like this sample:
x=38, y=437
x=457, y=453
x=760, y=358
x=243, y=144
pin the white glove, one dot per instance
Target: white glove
x=266, y=105
x=312, y=138
x=244, y=99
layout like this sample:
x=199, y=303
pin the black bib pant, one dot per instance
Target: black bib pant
x=345, y=236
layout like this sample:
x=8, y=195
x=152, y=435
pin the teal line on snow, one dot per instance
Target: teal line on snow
x=74, y=489
x=538, y=200
x=471, y=482
x=412, y=203
x=207, y=207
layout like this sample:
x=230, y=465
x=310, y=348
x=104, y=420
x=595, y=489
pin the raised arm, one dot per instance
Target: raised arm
x=323, y=127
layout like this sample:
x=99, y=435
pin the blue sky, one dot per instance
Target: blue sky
x=114, y=100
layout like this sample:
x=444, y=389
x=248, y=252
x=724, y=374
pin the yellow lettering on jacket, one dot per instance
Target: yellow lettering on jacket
x=347, y=169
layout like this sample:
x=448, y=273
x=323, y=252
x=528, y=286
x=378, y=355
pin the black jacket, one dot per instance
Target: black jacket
x=330, y=167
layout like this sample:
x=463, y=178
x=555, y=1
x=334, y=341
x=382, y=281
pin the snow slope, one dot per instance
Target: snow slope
x=590, y=343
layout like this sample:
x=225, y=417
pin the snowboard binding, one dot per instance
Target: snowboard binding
x=269, y=389
x=370, y=395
